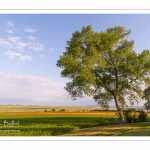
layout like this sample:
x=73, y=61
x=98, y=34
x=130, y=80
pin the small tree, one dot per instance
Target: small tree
x=53, y=110
x=62, y=109
x=105, y=66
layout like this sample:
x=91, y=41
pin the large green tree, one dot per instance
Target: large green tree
x=105, y=66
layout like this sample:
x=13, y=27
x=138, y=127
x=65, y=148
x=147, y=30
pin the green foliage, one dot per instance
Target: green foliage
x=59, y=124
x=53, y=110
x=146, y=97
x=45, y=110
x=128, y=116
x=62, y=110
x=131, y=115
x=143, y=116
x=105, y=66
x=135, y=118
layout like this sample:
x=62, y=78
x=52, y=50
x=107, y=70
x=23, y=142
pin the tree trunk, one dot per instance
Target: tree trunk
x=121, y=116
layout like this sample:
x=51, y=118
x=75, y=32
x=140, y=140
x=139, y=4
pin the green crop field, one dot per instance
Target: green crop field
x=45, y=124
x=34, y=121
x=66, y=125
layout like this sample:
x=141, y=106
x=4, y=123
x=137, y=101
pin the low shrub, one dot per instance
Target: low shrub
x=135, y=118
x=131, y=115
x=62, y=110
x=142, y=116
x=128, y=115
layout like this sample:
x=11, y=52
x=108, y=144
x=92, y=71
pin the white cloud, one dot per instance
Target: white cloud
x=25, y=57
x=4, y=42
x=42, y=56
x=12, y=55
x=16, y=44
x=27, y=29
x=51, y=49
x=18, y=89
x=30, y=37
x=13, y=39
x=36, y=46
x=20, y=45
x=10, y=23
x=29, y=87
x=9, y=31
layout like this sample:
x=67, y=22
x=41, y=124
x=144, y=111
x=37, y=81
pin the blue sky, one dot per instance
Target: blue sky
x=30, y=45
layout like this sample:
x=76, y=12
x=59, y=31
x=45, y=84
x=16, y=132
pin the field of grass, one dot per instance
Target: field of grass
x=67, y=125
x=34, y=108
x=34, y=121
x=45, y=124
x=132, y=129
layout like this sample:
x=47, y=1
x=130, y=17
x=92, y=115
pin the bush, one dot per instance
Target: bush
x=62, y=110
x=45, y=110
x=53, y=110
x=135, y=118
x=142, y=116
x=96, y=110
x=130, y=115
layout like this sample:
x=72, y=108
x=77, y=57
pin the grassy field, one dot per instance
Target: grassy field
x=45, y=124
x=34, y=108
x=67, y=125
x=34, y=121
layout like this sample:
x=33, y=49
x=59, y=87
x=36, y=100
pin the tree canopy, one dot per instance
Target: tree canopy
x=146, y=97
x=105, y=66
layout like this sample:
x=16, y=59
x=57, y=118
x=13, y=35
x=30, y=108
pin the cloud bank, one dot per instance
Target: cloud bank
x=17, y=89
x=29, y=87
x=12, y=55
